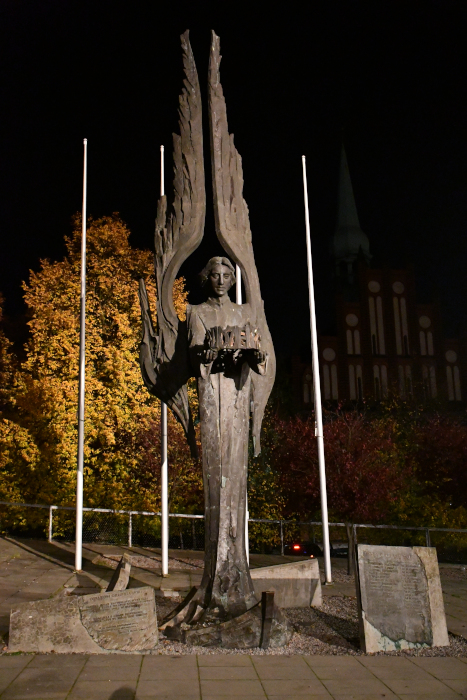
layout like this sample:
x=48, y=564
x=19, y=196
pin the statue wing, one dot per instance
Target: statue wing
x=233, y=228
x=164, y=355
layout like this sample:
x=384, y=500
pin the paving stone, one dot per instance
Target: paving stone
x=232, y=688
x=295, y=687
x=224, y=660
x=7, y=675
x=430, y=685
x=40, y=683
x=356, y=695
x=458, y=686
x=290, y=671
x=46, y=661
x=395, y=668
x=429, y=696
x=103, y=690
x=113, y=660
x=350, y=687
x=169, y=689
x=228, y=673
x=15, y=660
x=442, y=668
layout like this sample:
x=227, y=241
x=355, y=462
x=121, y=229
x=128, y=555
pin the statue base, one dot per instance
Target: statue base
x=264, y=625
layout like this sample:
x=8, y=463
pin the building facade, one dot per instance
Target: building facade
x=385, y=341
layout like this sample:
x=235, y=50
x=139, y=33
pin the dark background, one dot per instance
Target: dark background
x=388, y=77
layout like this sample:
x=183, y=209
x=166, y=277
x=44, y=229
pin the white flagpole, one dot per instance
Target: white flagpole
x=164, y=461
x=82, y=371
x=238, y=299
x=317, y=389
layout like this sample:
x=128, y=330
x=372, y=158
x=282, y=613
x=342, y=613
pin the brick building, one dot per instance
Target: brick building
x=385, y=340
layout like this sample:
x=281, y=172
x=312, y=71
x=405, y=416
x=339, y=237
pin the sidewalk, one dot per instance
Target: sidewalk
x=219, y=677
x=33, y=570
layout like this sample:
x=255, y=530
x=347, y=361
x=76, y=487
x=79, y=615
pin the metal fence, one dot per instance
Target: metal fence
x=186, y=531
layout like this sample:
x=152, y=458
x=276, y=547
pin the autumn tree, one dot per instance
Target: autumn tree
x=117, y=403
x=365, y=470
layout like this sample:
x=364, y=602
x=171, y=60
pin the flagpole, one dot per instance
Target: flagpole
x=238, y=299
x=82, y=371
x=317, y=388
x=164, y=460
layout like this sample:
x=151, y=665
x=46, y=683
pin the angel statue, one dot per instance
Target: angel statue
x=228, y=349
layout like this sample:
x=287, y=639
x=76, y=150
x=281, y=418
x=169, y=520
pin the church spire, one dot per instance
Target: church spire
x=349, y=242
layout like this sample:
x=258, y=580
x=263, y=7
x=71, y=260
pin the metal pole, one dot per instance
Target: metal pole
x=164, y=461
x=51, y=517
x=317, y=389
x=238, y=299
x=282, y=538
x=130, y=530
x=82, y=370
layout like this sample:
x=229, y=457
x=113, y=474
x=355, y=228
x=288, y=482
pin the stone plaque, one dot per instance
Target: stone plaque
x=400, y=599
x=116, y=621
x=121, y=575
x=296, y=585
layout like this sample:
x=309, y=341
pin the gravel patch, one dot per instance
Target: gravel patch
x=331, y=630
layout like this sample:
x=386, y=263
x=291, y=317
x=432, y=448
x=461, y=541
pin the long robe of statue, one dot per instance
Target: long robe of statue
x=225, y=346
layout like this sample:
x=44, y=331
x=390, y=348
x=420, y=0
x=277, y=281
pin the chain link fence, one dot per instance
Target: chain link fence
x=131, y=528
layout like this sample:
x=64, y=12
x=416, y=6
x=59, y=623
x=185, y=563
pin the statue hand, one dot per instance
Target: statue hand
x=210, y=355
x=259, y=356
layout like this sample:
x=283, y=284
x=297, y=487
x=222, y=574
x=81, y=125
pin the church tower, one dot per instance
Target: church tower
x=349, y=243
x=385, y=341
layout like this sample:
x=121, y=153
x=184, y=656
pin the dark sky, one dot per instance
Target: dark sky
x=391, y=76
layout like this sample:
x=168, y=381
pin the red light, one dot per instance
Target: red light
x=296, y=546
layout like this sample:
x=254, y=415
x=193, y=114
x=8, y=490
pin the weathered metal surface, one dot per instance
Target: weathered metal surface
x=225, y=346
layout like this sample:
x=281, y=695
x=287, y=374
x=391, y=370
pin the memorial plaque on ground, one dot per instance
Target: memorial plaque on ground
x=295, y=585
x=400, y=598
x=116, y=621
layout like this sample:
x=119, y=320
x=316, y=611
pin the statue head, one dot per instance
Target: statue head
x=218, y=276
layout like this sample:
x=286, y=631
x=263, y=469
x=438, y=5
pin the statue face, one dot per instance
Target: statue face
x=221, y=280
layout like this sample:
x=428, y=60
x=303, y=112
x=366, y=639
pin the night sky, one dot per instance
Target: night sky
x=389, y=78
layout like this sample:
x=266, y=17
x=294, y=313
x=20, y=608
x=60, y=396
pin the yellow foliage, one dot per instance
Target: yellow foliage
x=117, y=403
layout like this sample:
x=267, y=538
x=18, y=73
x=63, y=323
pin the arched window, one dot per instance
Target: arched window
x=334, y=393
x=356, y=337
x=379, y=318
x=358, y=372
x=397, y=326
x=384, y=380
x=434, y=391
x=408, y=380
x=429, y=338
x=374, y=345
x=377, y=382
x=352, y=389
x=457, y=384
x=422, y=343
x=405, y=327
x=426, y=385
x=401, y=381
x=326, y=382
x=450, y=383
x=306, y=393
x=349, y=342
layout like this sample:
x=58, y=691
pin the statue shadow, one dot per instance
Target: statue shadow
x=123, y=693
x=337, y=631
